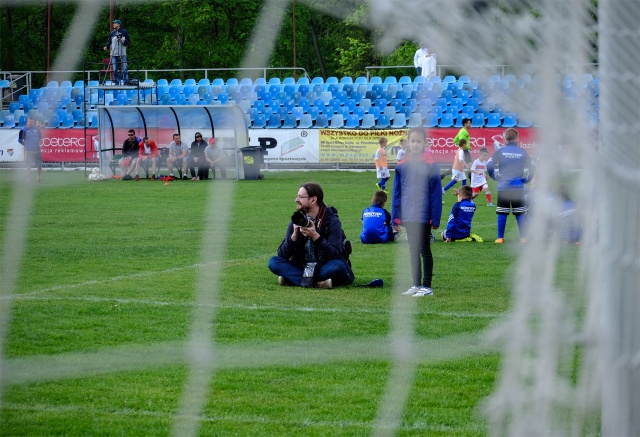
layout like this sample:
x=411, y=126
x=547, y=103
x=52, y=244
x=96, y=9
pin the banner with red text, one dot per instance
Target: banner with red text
x=57, y=145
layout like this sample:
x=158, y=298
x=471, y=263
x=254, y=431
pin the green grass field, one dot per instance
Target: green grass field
x=104, y=302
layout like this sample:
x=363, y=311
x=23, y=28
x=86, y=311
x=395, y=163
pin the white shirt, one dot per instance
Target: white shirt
x=478, y=180
x=417, y=58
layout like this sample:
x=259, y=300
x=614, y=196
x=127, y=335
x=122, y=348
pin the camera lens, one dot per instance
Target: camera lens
x=298, y=218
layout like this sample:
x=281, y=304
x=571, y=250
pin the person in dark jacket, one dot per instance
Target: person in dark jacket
x=417, y=205
x=30, y=137
x=320, y=240
x=196, y=158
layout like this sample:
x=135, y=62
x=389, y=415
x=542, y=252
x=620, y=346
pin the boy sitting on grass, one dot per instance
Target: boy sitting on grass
x=376, y=222
x=459, y=223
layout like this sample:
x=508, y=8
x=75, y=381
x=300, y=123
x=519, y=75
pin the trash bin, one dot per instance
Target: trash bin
x=252, y=158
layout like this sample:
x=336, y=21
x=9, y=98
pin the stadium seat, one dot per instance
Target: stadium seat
x=477, y=120
x=356, y=96
x=353, y=121
x=360, y=80
x=305, y=121
x=322, y=121
x=415, y=120
x=313, y=112
x=493, y=120
x=390, y=111
x=375, y=111
x=290, y=122
x=399, y=121
x=365, y=104
x=337, y=121
x=377, y=88
x=274, y=89
x=259, y=122
x=297, y=112
x=9, y=121
x=524, y=123
x=431, y=120
x=383, y=121
x=510, y=120
x=274, y=122
x=317, y=81
x=68, y=121
x=13, y=106
x=260, y=81
x=303, y=80
x=446, y=120
x=359, y=112
x=463, y=95
x=288, y=81
x=346, y=80
x=368, y=121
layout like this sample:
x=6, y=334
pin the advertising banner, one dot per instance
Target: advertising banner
x=287, y=146
x=57, y=145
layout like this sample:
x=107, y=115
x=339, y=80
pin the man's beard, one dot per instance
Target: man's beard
x=303, y=209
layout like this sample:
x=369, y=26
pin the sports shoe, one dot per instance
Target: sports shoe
x=490, y=204
x=432, y=238
x=153, y=177
x=462, y=240
x=477, y=238
x=185, y=177
x=413, y=290
x=378, y=186
x=500, y=241
x=324, y=284
x=283, y=281
x=137, y=178
x=423, y=291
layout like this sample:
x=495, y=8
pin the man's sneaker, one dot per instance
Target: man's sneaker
x=413, y=290
x=477, y=238
x=500, y=241
x=378, y=186
x=137, y=178
x=153, y=177
x=490, y=204
x=423, y=291
x=283, y=281
x=325, y=284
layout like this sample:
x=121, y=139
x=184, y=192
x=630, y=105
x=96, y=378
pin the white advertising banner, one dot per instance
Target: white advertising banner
x=10, y=149
x=287, y=146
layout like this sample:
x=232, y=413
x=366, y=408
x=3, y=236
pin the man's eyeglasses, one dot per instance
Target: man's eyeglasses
x=302, y=197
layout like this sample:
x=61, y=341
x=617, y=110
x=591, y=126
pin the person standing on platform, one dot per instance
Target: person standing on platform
x=117, y=43
x=418, y=58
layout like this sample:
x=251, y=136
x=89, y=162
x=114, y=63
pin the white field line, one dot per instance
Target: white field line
x=232, y=418
x=116, y=300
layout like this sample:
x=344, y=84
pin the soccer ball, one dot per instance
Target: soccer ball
x=95, y=175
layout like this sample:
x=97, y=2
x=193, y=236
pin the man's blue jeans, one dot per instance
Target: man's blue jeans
x=115, y=63
x=334, y=269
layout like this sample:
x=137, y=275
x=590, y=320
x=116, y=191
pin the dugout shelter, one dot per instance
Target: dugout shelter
x=226, y=124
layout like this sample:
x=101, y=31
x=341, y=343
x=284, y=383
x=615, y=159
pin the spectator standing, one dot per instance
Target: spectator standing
x=457, y=171
x=507, y=167
x=376, y=221
x=460, y=218
x=196, y=158
x=178, y=155
x=463, y=134
x=478, y=176
x=129, y=160
x=117, y=44
x=420, y=54
x=322, y=241
x=30, y=136
x=417, y=205
x=402, y=150
x=215, y=157
x=147, y=151
x=382, y=166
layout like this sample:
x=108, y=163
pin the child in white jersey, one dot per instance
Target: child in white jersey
x=479, y=176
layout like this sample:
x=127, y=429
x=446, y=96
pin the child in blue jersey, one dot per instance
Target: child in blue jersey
x=376, y=221
x=460, y=218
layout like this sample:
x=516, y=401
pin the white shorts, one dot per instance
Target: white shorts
x=383, y=172
x=458, y=176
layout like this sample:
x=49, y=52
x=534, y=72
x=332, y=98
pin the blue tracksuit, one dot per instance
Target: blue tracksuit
x=376, y=225
x=459, y=223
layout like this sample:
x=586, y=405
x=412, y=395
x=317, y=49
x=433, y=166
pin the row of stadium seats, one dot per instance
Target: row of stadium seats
x=306, y=104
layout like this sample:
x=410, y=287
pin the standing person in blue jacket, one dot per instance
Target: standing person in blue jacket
x=376, y=221
x=117, y=44
x=460, y=218
x=417, y=205
x=507, y=167
x=30, y=137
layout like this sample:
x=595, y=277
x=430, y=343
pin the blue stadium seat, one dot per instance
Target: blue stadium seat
x=493, y=120
x=415, y=120
x=524, y=123
x=274, y=122
x=297, y=112
x=383, y=121
x=313, y=111
x=359, y=112
x=431, y=120
x=22, y=122
x=360, y=80
x=368, y=121
x=317, y=81
x=356, y=96
x=510, y=120
x=290, y=122
x=365, y=104
x=303, y=80
x=260, y=81
x=9, y=121
x=375, y=111
x=446, y=120
x=322, y=121
x=259, y=122
x=337, y=121
x=399, y=121
x=477, y=120
x=352, y=122
x=13, y=106
x=305, y=122
x=463, y=95
x=377, y=88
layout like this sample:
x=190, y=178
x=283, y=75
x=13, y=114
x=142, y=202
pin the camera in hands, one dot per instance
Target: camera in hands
x=311, y=265
x=300, y=219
